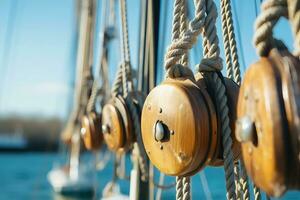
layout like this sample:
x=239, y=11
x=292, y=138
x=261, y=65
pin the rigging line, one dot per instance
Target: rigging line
x=256, y=9
x=205, y=185
x=239, y=36
x=10, y=30
x=162, y=38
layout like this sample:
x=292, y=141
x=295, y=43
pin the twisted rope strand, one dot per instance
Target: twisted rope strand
x=244, y=182
x=186, y=191
x=212, y=63
x=263, y=39
x=257, y=194
x=226, y=9
x=179, y=188
x=179, y=47
x=229, y=69
x=183, y=28
x=294, y=16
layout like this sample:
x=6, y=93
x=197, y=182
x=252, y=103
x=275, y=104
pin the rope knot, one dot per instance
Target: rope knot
x=213, y=64
x=178, y=70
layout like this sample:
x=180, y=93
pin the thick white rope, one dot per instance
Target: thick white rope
x=294, y=16
x=233, y=72
x=213, y=63
x=263, y=39
x=230, y=43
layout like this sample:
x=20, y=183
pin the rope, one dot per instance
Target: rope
x=183, y=27
x=179, y=188
x=91, y=102
x=231, y=53
x=213, y=63
x=294, y=16
x=263, y=39
x=233, y=72
x=244, y=182
x=117, y=82
x=186, y=191
x=236, y=180
x=137, y=131
x=179, y=47
x=182, y=41
x=257, y=194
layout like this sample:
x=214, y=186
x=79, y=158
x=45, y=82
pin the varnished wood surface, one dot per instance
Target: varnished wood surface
x=269, y=95
x=112, y=118
x=265, y=156
x=93, y=136
x=181, y=108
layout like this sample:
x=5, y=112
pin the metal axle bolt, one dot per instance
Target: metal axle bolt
x=105, y=128
x=245, y=129
x=83, y=131
x=158, y=131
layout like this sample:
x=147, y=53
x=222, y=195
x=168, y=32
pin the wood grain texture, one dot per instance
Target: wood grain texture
x=93, y=137
x=182, y=109
x=115, y=138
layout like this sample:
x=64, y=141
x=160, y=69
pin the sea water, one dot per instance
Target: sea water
x=23, y=176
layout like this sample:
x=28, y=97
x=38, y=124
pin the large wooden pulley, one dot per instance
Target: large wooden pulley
x=232, y=92
x=179, y=127
x=91, y=131
x=117, y=125
x=268, y=122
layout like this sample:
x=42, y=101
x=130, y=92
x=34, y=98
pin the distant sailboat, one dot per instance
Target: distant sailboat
x=75, y=178
x=13, y=141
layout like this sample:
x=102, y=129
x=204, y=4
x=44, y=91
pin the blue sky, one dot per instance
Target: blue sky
x=37, y=50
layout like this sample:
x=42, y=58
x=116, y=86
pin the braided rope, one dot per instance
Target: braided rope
x=137, y=131
x=117, y=85
x=125, y=40
x=229, y=30
x=244, y=182
x=233, y=72
x=179, y=188
x=176, y=24
x=257, y=194
x=212, y=63
x=294, y=16
x=236, y=180
x=263, y=39
x=180, y=47
x=186, y=190
x=92, y=100
x=183, y=27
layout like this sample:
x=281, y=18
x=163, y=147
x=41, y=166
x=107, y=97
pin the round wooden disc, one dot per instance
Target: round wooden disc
x=120, y=104
x=265, y=155
x=91, y=131
x=115, y=136
x=180, y=107
x=289, y=68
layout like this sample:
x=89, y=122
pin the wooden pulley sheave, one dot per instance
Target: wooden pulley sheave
x=269, y=105
x=117, y=122
x=181, y=123
x=91, y=126
x=117, y=117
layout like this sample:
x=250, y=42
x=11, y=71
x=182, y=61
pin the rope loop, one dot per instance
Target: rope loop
x=213, y=64
x=181, y=46
x=272, y=11
x=179, y=71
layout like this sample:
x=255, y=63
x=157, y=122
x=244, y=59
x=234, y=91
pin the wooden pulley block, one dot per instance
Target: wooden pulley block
x=268, y=122
x=117, y=125
x=179, y=127
x=232, y=92
x=91, y=131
